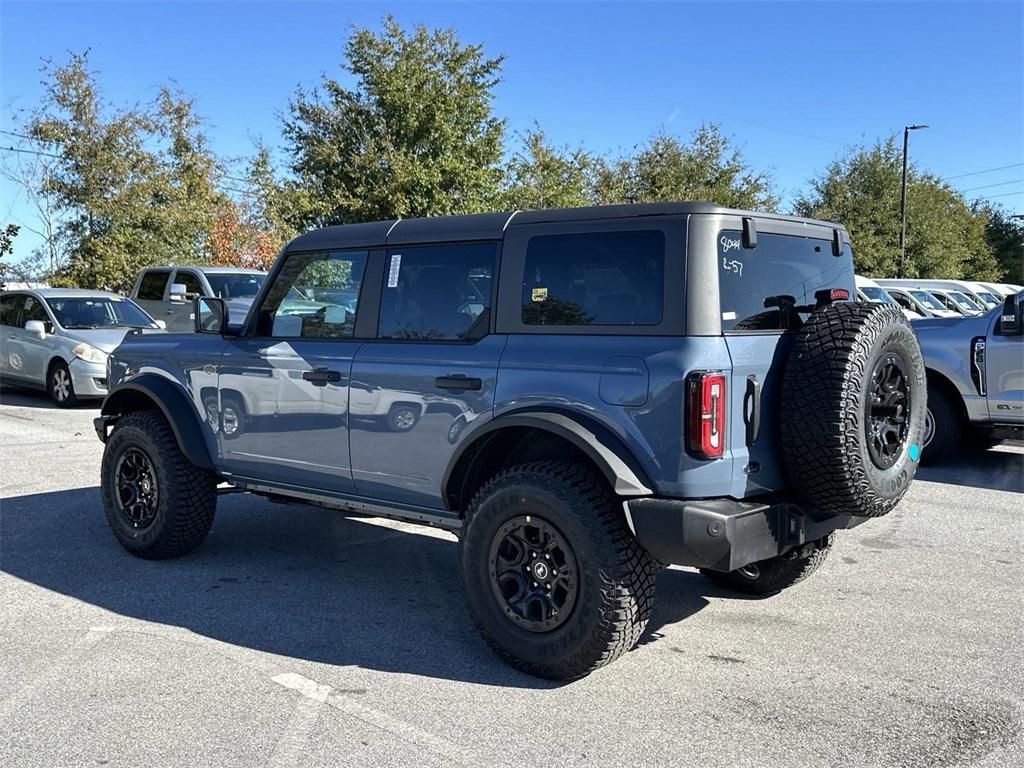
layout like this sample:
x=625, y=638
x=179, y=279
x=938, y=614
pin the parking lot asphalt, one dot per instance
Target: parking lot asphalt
x=298, y=637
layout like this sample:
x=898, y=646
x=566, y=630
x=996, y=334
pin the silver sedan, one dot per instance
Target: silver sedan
x=58, y=339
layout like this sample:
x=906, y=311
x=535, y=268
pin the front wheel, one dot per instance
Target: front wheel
x=942, y=428
x=775, y=574
x=158, y=503
x=60, y=386
x=554, y=580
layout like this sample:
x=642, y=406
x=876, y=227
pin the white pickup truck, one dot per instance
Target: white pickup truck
x=975, y=369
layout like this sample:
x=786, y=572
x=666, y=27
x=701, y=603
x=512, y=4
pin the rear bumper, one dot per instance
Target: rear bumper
x=725, y=534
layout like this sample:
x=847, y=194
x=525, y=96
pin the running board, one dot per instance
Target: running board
x=402, y=513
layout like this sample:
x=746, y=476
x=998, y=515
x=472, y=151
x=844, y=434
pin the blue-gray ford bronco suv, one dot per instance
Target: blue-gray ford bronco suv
x=580, y=395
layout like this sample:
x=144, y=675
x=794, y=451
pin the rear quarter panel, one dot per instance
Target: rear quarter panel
x=632, y=385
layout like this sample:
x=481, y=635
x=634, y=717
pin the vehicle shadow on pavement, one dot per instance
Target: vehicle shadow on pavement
x=997, y=470
x=299, y=582
x=32, y=398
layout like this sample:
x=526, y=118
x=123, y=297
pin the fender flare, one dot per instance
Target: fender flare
x=175, y=406
x=608, y=453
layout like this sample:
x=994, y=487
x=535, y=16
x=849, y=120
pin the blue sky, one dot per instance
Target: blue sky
x=792, y=83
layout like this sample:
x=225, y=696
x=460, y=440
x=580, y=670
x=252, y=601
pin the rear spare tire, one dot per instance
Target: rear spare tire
x=853, y=409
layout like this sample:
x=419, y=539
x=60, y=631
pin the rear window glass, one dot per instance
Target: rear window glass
x=763, y=288
x=595, y=278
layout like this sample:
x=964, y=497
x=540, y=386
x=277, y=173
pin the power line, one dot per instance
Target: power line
x=30, y=152
x=20, y=135
x=997, y=184
x=1004, y=194
x=987, y=170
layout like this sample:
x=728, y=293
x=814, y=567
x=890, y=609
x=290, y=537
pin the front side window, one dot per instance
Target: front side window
x=314, y=296
x=765, y=288
x=235, y=286
x=191, y=282
x=98, y=312
x=437, y=292
x=594, y=278
x=152, y=286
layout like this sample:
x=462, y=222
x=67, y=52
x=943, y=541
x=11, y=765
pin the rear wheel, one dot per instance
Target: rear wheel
x=158, y=503
x=60, y=386
x=554, y=580
x=775, y=574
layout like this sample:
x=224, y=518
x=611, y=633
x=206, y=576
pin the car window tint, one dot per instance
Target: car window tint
x=437, y=292
x=191, y=282
x=594, y=278
x=763, y=288
x=9, y=308
x=33, y=310
x=152, y=286
x=314, y=296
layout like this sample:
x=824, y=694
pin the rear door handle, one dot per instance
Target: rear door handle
x=457, y=381
x=752, y=409
x=321, y=377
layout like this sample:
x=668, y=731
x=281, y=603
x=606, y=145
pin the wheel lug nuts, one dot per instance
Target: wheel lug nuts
x=535, y=583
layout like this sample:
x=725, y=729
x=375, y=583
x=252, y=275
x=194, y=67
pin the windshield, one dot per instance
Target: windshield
x=988, y=298
x=928, y=300
x=964, y=301
x=235, y=286
x=874, y=293
x=98, y=312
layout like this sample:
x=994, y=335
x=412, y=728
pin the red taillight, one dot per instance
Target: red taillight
x=839, y=294
x=707, y=405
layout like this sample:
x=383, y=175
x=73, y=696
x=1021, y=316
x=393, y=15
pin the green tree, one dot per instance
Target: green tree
x=542, y=176
x=945, y=237
x=415, y=135
x=7, y=235
x=130, y=187
x=709, y=167
x=1005, y=236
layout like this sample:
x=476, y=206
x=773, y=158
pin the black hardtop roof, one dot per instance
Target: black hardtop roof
x=492, y=226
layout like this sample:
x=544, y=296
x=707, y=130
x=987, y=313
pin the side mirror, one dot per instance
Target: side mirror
x=210, y=315
x=36, y=328
x=1009, y=318
x=178, y=293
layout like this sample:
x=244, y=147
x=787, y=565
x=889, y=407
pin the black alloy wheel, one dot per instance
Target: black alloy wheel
x=888, y=409
x=534, y=575
x=137, y=490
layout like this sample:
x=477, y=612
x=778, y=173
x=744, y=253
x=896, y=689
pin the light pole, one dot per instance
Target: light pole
x=903, y=198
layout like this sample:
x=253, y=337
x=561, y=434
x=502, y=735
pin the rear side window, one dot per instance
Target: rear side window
x=594, y=278
x=761, y=288
x=152, y=286
x=437, y=292
x=9, y=306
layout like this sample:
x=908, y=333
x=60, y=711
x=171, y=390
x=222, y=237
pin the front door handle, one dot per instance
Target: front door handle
x=321, y=377
x=458, y=381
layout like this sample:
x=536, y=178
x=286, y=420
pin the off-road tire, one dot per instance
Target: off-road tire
x=59, y=368
x=824, y=420
x=947, y=428
x=616, y=575
x=772, y=575
x=187, y=495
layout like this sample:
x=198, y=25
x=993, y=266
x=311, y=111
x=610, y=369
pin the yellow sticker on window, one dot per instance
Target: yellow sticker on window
x=540, y=294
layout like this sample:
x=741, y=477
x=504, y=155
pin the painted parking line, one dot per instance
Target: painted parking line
x=315, y=695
